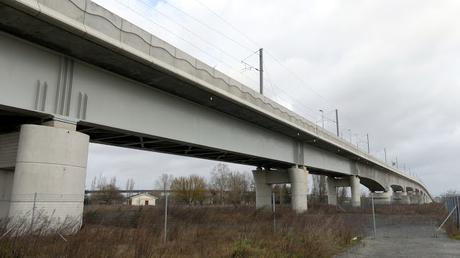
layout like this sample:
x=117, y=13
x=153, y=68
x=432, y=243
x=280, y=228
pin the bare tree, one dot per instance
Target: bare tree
x=238, y=185
x=107, y=193
x=190, y=190
x=342, y=194
x=220, y=180
x=319, y=187
x=93, y=184
x=130, y=186
x=113, y=181
x=164, y=182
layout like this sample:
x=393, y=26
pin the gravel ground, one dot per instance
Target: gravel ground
x=405, y=236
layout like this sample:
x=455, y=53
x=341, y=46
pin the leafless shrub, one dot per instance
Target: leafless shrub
x=192, y=232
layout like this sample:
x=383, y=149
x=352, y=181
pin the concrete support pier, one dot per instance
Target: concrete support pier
x=263, y=189
x=425, y=198
x=297, y=177
x=350, y=181
x=382, y=198
x=49, y=177
x=415, y=197
x=401, y=197
x=8, y=152
x=355, y=191
x=299, y=188
x=6, y=183
x=331, y=191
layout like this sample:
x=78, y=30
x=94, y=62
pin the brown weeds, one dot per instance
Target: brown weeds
x=110, y=231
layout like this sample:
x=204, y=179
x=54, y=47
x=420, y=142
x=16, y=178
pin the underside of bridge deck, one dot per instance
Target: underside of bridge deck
x=125, y=139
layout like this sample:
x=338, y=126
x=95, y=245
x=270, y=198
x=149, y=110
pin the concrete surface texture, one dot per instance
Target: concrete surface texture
x=49, y=177
x=405, y=236
x=299, y=188
x=297, y=177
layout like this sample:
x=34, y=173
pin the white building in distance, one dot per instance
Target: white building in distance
x=142, y=199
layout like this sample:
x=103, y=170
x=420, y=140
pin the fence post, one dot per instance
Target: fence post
x=274, y=211
x=373, y=215
x=166, y=218
x=458, y=213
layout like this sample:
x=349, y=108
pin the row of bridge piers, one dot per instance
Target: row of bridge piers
x=298, y=178
x=43, y=170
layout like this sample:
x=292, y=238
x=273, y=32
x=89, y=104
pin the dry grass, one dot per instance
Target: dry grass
x=111, y=231
x=452, y=230
x=194, y=232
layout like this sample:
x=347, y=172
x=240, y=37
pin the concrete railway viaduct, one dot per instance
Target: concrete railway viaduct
x=73, y=73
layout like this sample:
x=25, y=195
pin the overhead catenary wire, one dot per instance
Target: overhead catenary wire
x=292, y=98
x=209, y=27
x=219, y=61
x=191, y=32
x=256, y=44
x=272, y=56
x=282, y=90
x=282, y=97
x=297, y=103
x=218, y=48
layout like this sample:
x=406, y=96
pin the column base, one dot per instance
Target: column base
x=263, y=189
x=331, y=191
x=299, y=189
x=383, y=198
x=49, y=180
x=355, y=192
x=400, y=198
x=6, y=183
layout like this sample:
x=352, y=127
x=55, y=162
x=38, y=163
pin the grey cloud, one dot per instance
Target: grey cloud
x=391, y=67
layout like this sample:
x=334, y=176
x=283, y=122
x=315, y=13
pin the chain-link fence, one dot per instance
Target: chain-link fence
x=452, y=205
x=23, y=213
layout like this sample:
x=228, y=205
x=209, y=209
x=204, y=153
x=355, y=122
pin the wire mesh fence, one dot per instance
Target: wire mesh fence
x=43, y=197
x=452, y=205
x=40, y=213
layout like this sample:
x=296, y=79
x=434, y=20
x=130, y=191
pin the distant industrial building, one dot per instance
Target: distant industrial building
x=142, y=199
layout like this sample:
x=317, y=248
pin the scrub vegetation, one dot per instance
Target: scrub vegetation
x=452, y=230
x=208, y=231
x=215, y=229
x=110, y=231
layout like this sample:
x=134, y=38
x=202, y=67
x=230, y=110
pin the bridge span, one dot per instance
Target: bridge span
x=73, y=73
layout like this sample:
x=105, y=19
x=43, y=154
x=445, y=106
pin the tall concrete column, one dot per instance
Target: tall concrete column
x=422, y=198
x=299, y=188
x=382, y=198
x=401, y=197
x=263, y=190
x=49, y=177
x=411, y=197
x=355, y=191
x=425, y=198
x=8, y=152
x=415, y=198
x=6, y=183
x=331, y=191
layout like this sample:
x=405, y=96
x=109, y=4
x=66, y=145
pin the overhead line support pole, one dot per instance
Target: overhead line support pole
x=368, y=146
x=337, y=122
x=261, y=70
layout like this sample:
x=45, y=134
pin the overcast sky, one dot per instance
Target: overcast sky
x=389, y=67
